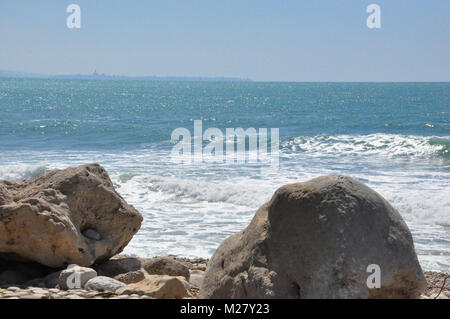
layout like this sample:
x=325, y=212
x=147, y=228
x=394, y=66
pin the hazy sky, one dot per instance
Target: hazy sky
x=298, y=40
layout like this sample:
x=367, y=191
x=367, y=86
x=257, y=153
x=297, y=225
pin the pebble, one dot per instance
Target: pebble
x=74, y=297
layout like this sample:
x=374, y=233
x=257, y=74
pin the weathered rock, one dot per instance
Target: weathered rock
x=102, y=283
x=44, y=219
x=159, y=286
x=131, y=277
x=165, y=266
x=119, y=264
x=75, y=277
x=316, y=240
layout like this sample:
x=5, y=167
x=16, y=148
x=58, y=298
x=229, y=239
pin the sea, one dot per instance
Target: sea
x=395, y=137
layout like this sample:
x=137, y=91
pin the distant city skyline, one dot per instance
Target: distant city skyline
x=103, y=76
x=263, y=40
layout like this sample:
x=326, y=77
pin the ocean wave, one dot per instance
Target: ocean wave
x=231, y=192
x=391, y=145
x=22, y=171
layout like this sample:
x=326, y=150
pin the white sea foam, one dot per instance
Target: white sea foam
x=188, y=210
x=21, y=171
x=391, y=145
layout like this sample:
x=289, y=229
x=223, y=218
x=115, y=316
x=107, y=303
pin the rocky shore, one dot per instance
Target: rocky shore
x=160, y=272
x=438, y=287
x=62, y=234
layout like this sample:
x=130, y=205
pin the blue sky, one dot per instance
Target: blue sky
x=322, y=40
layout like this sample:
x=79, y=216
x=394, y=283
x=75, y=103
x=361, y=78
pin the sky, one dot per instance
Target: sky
x=290, y=40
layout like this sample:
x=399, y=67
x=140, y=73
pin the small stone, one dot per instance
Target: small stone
x=21, y=293
x=92, y=293
x=103, y=283
x=158, y=286
x=73, y=297
x=39, y=291
x=75, y=277
x=120, y=264
x=131, y=277
x=165, y=266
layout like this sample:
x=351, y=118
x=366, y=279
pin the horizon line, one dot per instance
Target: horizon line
x=5, y=74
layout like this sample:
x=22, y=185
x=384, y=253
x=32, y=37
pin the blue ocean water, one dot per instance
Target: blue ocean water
x=393, y=136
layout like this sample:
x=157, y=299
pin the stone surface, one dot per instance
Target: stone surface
x=316, y=240
x=196, y=278
x=75, y=277
x=131, y=277
x=159, y=286
x=119, y=264
x=165, y=266
x=43, y=219
x=102, y=283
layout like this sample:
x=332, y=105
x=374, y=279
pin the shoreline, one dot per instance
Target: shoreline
x=438, y=285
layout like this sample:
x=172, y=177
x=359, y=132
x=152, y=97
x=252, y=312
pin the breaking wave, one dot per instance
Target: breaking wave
x=391, y=145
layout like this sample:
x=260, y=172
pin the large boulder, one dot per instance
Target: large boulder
x=71, y=216
x=316, y=240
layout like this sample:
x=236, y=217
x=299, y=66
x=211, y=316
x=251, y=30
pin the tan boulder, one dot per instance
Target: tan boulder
x=71, y=216
x=159, y=286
